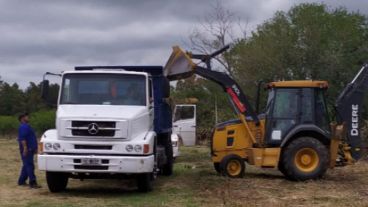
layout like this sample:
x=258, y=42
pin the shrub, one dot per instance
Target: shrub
x=8, y=125
x=40, y=121
x=43, y=120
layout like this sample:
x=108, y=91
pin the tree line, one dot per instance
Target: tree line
x=14, y=100
x=310, y=41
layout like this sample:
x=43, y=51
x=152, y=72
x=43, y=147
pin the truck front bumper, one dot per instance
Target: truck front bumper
x=108, y=164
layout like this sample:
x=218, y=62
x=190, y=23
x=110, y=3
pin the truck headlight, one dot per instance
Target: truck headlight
x=129, y=148
x=138, y=148
x=48, y=146
x=56, y=146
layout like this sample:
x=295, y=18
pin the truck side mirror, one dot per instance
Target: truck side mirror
x=45, y=90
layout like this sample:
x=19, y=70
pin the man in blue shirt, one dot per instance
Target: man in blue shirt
x=28, y=148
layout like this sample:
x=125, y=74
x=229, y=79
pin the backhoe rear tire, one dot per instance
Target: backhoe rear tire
x=281, y=168
x=304, y=158
x=217, y=167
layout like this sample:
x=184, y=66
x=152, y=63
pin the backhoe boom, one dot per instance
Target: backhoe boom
x=349, y=110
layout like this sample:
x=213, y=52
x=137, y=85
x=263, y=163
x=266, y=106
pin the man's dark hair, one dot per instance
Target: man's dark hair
x=20, y=117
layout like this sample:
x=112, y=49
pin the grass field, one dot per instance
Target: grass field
x=195, y=183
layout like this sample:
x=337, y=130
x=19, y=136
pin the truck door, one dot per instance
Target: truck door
x=282, y=116
x=184, y=123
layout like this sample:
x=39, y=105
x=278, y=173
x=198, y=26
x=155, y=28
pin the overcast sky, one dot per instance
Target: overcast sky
x=43, y=35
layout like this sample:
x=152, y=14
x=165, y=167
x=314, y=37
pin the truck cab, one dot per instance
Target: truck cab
x=111, y=122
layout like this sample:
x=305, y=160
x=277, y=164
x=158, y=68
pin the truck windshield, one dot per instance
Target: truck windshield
x=104, y=89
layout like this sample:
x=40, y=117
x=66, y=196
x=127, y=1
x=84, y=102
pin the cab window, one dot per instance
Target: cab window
x=322, y=119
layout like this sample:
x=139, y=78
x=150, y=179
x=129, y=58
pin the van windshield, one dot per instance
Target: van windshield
x=104, y=89
x=183, y=112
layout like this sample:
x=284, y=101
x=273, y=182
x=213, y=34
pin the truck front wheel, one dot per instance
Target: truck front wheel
x=56, y=181
x=144, y=182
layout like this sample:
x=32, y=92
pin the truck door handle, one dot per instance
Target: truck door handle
x=193, y=126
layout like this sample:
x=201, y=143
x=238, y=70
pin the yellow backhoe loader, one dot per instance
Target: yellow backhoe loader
x=294, y=134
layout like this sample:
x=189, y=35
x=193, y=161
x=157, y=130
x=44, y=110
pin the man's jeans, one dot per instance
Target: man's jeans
x=27, y=169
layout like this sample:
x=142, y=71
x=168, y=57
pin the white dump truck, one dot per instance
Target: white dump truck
x=111, y=122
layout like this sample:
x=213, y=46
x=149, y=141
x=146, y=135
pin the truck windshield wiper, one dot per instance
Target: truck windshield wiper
x=69, y=102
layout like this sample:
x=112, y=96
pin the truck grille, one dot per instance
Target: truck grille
x=92, y=128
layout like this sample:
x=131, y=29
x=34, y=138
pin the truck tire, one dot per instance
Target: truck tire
x=144, y=182
x=232, y=166
x=56, y=181
x=168, y=168
x=304, y=158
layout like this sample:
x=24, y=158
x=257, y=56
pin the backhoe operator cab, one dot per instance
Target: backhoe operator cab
x=295, y=134
x=296, y=107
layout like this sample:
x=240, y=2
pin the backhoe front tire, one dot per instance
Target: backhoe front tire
x=303, y=159
x=56, y=181
x=232, y=166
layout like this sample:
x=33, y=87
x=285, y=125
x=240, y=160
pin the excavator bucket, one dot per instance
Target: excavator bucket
x=179, y=65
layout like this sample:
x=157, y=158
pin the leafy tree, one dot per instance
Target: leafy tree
x=14, y=100
x=11, y=99
x=209, y=96
x=33, y=100
x=310, y=41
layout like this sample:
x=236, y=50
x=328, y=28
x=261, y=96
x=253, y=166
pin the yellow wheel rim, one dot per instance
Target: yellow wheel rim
x=233, y=167
x=306, y=160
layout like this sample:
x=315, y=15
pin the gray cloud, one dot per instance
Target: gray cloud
x=43, y=35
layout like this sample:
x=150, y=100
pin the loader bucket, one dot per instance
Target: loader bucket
x=179, y=65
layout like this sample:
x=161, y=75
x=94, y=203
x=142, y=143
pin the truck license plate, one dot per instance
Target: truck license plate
x=91, y=161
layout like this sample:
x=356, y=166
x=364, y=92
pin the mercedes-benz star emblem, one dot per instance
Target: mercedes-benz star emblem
x=93, y=128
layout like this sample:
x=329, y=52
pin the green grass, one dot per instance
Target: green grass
x=194, y=183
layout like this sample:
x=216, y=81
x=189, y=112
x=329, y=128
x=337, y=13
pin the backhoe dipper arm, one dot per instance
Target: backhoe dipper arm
x=349, y=109
x=229, y=85
x=180, y=65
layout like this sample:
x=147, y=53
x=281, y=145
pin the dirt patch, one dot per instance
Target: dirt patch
x=194, y=183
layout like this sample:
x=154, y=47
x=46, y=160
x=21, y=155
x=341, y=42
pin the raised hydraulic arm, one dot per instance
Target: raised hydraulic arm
x=237, y=96
x=349, y=110
x=180, y=65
